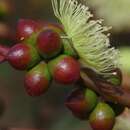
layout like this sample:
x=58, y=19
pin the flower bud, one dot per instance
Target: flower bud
x=65, y=69
x=23, y=56
x=48, y=44
x=37, y=80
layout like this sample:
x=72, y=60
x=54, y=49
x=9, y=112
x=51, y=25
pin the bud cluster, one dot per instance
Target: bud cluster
x=46, y=53
x=40, y=51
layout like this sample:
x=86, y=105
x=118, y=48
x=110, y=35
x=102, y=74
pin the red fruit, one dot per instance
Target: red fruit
x=22, y=56
x=102, y=118
x=49, y=44
x=37, y=80
x=26, y=27
x=65, y=69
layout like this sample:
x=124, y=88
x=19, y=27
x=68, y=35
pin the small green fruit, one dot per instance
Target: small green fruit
x=102, y=118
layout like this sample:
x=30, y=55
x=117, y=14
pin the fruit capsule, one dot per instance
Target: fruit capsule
x=102, y=118
x=23, y=56
x=65, y=69
x=48, y=44
x=37, y=80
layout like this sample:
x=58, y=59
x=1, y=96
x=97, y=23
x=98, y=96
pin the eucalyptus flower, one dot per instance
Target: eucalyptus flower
x=87, y=37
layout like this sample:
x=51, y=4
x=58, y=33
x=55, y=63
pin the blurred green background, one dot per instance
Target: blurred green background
x=17, y=109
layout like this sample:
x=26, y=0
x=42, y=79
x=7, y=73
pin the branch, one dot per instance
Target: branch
x=109, y=92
